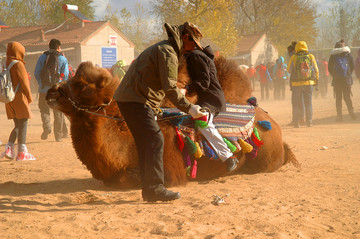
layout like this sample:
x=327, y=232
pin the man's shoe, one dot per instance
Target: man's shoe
x=58, y=139
x=296, y=124
x=45, y=134
x=9, y=152
x=353, y=116
x=231, y=163
x=309, y=123
x=25, y=156
x=160, y=194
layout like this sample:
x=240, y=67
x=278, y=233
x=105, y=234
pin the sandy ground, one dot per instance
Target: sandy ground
x=56, y=197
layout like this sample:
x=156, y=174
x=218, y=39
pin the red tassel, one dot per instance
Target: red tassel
x=202, y=118
x=193, y=169
x=257, y=142
x=180, y=142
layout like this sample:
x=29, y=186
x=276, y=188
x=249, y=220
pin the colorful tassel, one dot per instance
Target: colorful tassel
x=257, y=142
x=245, y=147
x=253, y=153
x=188, y=171
x=180, y=142
x=186, y=158
x=256, y=132
x=198, y=154
x=230, y=145
x=252, y=101
x=190, y=145
x=237, y=145
x=193, y=170
x=201, y=124
x=265, y=124
x=209, y=152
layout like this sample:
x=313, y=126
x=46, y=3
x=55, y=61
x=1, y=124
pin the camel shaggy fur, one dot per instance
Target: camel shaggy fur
x=106, y=147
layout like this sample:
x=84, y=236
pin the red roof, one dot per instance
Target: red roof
x=67, y=33
x=247, y=43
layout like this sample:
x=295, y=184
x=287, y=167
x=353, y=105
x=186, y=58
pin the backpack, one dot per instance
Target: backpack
x=303, y=66
x=341, y=67
x=280, y=71
x=50, y=72
x=7, y=93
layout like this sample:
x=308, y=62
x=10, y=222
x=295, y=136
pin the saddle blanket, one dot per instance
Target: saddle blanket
x=237, y=121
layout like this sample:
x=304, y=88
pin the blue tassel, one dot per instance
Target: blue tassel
x=252, y=101
x=209, y=152
x=265, y=124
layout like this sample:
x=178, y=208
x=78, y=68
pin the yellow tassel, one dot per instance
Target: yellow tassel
x=245, y=147
x=198, y=154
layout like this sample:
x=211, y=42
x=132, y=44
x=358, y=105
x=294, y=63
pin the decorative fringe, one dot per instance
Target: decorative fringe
x=193, y=169
x=265, y=124
x=246, y=148
x=201, y=122
x=230, y=145
x=252, y=101
x=253, y=153
x=188, y=171
x=257, y=142
x=186, y=158
x=180, y=142
x=190, y=145
x=209, y=152
x=237, y=145
x=256, y=132
x=199, y=153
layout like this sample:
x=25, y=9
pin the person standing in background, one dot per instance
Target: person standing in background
x=43, y=68
x=341, y=66
x=305, y=76
x=18, y=109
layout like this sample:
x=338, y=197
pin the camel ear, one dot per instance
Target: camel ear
x=80, y=84
x=103, y=79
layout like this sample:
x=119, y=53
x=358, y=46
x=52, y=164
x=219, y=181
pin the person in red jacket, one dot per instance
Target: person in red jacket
x=251, y=73
x=324, y=78
x=265, y=80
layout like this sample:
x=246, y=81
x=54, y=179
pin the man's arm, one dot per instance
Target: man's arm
x=64, y=68
x=167, y=64
x=38, y=68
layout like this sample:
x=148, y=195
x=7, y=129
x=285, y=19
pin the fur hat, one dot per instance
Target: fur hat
x=340, y=44
x=194, y=32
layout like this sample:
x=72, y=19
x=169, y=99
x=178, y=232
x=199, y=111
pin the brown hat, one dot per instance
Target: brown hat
x=194, y=32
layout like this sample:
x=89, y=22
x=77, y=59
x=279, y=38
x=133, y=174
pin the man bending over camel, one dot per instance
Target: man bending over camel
x=151, y=77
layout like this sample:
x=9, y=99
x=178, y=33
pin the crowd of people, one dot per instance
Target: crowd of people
x=143, y=87
x=308, y=77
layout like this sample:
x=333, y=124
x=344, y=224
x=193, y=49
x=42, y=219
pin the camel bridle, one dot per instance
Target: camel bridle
x=86, y=108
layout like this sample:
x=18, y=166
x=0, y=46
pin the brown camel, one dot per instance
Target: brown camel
x=106, y=147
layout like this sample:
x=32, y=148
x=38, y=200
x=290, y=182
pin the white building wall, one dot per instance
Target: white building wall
x=91, y=49
x=263, y=52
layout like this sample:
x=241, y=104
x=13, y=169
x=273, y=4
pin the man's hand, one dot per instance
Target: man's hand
x=195, y=111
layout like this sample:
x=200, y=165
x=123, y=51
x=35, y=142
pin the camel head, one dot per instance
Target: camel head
x=91, y=87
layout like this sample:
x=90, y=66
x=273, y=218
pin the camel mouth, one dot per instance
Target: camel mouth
x=52, y=97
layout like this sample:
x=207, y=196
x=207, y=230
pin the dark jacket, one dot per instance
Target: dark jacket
x=204, y=82
x=340, y=52
x=154, y=74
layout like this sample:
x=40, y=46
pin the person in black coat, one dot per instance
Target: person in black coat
x=341, y=66
x=204, y=82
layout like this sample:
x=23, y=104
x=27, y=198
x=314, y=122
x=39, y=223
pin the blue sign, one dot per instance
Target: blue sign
x=108, y=56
